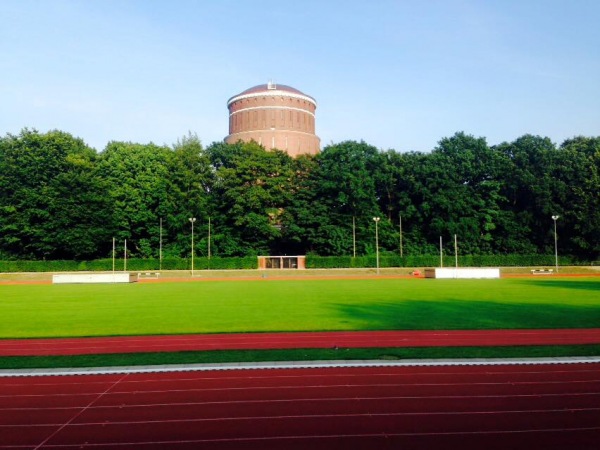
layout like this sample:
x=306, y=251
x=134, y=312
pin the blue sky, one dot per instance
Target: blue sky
x=397, y=74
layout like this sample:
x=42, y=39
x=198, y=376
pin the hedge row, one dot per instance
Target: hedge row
x=133, y=264
x=312, y=262
x=339, y=262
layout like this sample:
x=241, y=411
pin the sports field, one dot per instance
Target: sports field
x=269, y=305
x=507, y=406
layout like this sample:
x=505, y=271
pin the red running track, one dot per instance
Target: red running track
x=463, y=407
x=353, y=339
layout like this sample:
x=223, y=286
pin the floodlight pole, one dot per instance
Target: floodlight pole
x=209, y=237
x=400, y=220
x=354, y=236
x=377, y=219
x=441, y=254
x=555, y=218
x=192, y=220
x=455, y=252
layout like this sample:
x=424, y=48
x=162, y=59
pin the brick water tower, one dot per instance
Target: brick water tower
x=275, y=116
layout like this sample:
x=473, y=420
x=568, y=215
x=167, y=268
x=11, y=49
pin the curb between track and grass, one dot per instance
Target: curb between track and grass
x=296, y=365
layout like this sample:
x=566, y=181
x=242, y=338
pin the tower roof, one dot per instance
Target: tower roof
x=271, y=88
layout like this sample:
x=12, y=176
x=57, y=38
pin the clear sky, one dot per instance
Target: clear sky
x=397, y=74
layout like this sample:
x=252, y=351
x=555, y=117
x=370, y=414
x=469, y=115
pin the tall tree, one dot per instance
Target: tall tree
x=139, y=190
x=396, y=187
x=528, y=187
x=577, y=175
x=52, y=202
x=345, y=199
x=251, y=193
x=191, y=183
x=456, y=192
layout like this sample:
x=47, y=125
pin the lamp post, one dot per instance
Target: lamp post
x=377, y=219
x=400, y=224
x=555, y=218
x=208, y=237
x=354, y=236
x=192, y=220
x=160, y=245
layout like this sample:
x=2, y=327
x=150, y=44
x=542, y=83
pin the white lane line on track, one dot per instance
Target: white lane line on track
x=309, y=417
x=304, y=387
x=308, y=400
x=81, y=411
x=296, y=365
x=329, y=436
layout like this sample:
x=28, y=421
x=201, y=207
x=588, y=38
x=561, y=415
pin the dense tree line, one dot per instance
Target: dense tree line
x=60, y=199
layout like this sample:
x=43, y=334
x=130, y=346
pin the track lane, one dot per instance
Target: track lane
x=316, y=408
x=258, y=341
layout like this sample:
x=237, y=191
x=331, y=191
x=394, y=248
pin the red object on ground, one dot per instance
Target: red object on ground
x=552, y=406
x=341, y=339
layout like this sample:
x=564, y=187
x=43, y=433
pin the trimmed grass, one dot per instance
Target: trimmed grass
x=215, y=357
x=28, y=311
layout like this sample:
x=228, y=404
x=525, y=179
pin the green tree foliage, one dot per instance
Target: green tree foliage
x=459, y=192
x=528, y=186
x=340, y=199
x=52, y=200
x=250, y=195
x=191, y=182
x=60, y=199
x=577, y=196
x=139, y=189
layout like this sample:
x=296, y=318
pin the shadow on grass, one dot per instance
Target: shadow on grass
x=457, y=314
x=587, y=285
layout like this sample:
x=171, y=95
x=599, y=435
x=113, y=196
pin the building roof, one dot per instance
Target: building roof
x=270, y=88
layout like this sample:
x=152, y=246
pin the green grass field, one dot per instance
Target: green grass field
x=296, y=305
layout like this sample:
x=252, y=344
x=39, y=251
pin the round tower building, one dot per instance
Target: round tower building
x=275, y=116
